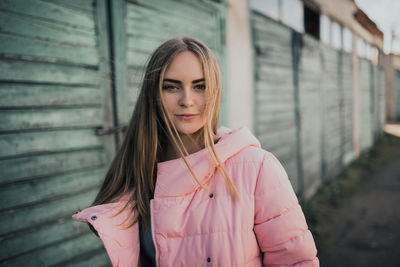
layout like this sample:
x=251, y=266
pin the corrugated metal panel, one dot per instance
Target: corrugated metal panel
x=275, y=123
x=52, y=97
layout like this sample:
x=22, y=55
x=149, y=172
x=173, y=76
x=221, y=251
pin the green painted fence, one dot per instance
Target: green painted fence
x=304, y=103
x=275, y=121
x=53, y=94
x=396, y=90
x=145, y=25
x=61, y=64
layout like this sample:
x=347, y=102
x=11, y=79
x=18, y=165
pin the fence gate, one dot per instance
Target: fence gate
x=69, y=75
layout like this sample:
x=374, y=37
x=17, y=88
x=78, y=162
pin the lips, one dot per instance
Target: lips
x=187, y=116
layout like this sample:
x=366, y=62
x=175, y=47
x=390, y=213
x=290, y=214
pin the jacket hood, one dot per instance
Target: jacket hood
x=173, y=176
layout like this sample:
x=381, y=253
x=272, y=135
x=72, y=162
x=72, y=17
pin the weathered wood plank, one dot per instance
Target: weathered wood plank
x=145, y=15
x=285, y=156
x=274, y=91
x=96, y=258
x=34, y=28
x=309, y=42
x=135, y=79
x=137, y=59
x=263, y=117
x=166, y=30
x=366, y=137
x=44, y=118
x=45, y=235
x=49, y=11
x=265, y=98
x=272, y=58
x=283, y=152
x=49, y=77
x=310, y=67
x=169, y=22
x=43, y=213
x=40, y=165
x=267, y=84
x=273, y=135
x=265, y=49
x=265, y=27
x=85, y=6
x=58, y=252
x=281, y=38
x=47, y=51
x=176, y=11
x=26, y=71
x=21, y=95
x=46, y=142
x=275, y=109
x=277, y=47
x=269, y=122
x=39, y=190
x=274, y=78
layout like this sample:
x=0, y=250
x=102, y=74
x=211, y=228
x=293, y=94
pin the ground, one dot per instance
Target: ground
x=355, y=219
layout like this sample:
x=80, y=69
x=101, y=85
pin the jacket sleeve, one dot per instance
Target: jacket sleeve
x=279, y=224
x=121, y=243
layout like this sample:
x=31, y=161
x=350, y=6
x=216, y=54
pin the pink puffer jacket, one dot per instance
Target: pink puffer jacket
x=192, y=227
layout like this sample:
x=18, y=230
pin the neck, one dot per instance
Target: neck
x=192, y=144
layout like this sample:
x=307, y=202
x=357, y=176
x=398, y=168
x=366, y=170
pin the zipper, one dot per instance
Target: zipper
x=152, y=231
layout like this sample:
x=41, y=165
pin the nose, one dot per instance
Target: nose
x=186, y=99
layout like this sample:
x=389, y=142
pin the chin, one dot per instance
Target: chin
x=188, y=130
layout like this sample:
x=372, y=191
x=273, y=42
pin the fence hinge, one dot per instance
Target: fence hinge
x=109, y=130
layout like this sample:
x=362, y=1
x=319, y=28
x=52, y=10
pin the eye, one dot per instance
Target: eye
x=169, y=87
x=200, y=87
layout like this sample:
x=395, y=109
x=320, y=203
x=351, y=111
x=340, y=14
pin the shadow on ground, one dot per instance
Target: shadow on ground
x=355, y=217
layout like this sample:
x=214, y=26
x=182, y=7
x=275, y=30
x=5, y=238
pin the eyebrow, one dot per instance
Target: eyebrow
x=179, y=82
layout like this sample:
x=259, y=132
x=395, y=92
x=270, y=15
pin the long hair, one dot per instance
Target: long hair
x=134, y=168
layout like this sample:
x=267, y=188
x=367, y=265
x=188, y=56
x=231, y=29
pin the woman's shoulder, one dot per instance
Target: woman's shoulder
x=105, y=209
x=241, y=146
x=259, y=158
x=250, y=154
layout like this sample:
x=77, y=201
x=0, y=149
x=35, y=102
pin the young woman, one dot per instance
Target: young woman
x=182, y=192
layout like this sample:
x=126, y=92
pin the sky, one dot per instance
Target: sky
x=386, y=15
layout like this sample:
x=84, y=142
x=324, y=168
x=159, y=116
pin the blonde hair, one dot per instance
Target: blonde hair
x=134, y=167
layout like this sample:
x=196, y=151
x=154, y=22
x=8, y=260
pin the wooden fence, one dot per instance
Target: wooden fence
x=67, y=69
x=304, y=103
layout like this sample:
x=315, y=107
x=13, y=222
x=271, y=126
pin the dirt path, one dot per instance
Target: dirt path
x=365, y=227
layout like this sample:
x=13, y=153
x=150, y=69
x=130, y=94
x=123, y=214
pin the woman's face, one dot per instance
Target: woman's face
x=183, y=91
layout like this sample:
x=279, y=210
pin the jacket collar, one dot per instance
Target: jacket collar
x=174, y=178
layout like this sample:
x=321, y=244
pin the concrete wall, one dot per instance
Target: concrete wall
x=239, y=65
